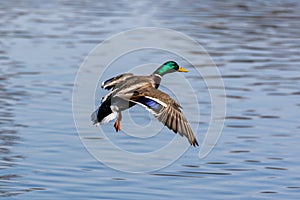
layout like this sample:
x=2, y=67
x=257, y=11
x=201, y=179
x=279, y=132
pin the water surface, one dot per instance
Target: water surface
x=255, y=44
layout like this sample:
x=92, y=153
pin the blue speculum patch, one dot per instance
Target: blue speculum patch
x=150, y=103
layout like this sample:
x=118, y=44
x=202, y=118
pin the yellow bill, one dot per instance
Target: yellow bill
x=181, y=69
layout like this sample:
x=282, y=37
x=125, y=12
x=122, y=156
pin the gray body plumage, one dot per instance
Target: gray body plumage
x=129, y=90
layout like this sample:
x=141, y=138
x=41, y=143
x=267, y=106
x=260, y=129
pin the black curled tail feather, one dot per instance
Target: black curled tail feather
x=101, y=113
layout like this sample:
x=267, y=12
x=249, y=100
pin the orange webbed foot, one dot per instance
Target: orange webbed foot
x=117, y=125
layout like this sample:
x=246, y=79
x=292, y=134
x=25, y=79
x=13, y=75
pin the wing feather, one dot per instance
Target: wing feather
x=112, y=82
x=166, y=110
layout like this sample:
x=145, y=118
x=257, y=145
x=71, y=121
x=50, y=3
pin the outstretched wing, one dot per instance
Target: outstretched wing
x=166, y=110
x=112, y=82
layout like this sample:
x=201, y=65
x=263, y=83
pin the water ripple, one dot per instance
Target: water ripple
x=255, y=45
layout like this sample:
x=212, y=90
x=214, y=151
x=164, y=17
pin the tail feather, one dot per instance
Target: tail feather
x=94, y=117
x=103, y=114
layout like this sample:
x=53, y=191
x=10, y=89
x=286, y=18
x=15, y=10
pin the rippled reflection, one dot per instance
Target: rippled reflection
x=255, y=44
x=10, y=96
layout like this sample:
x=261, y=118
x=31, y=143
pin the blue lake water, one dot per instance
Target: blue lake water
x=255, y=45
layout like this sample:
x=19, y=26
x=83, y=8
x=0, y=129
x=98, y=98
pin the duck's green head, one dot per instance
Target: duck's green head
x=169, y=67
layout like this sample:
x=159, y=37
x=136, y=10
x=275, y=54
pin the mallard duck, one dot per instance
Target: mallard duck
x=129, y=90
